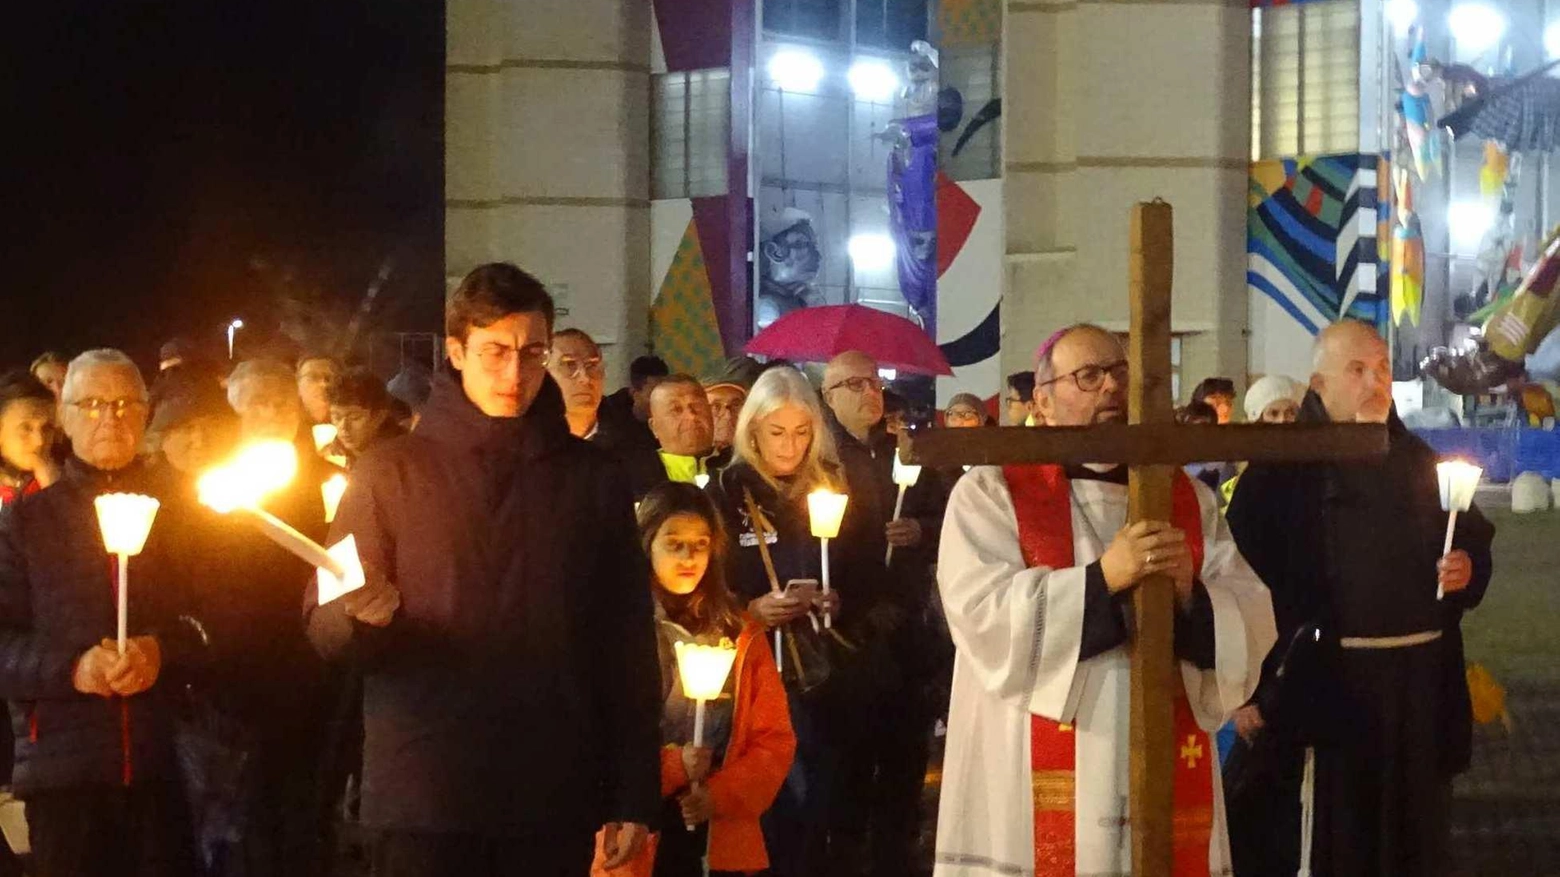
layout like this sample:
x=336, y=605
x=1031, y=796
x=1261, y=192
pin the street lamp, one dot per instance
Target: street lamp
x=232, y=330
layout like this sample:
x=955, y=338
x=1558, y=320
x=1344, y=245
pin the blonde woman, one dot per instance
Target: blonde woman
x=782, y=451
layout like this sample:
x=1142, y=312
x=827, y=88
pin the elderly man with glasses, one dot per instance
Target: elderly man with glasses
x=887, y=749
x=1036, y=570
x=94, y=759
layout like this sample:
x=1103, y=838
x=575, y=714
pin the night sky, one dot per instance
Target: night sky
x=173, y=164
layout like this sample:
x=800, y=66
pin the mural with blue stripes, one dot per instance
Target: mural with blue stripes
x=1311, y=238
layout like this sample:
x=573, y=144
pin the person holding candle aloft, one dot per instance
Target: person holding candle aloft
x=94, y=744
x=505, y=635
x=783, y=452
x=721, y=788
x=1355, y=558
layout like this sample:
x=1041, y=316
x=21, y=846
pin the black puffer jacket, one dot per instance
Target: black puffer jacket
x=516, y=692
x=57, y=599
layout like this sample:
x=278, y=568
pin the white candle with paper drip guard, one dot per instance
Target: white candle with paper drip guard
x=905, y=475
x=825, y=511
x=703, y=671
x=331, y=492
x=1459, y=481
x=258, y=471
x=126, y=521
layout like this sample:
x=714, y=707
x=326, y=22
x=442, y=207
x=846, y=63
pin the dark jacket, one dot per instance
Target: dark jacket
x=869, y=469
x=57, y=599
x=853, y=571
x=617, y=427
x=914, y=639
x=793, y=549
x=253, y=612
x=1291, y=524
x=516, y=691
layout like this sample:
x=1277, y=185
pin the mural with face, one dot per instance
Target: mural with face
x=790, y=260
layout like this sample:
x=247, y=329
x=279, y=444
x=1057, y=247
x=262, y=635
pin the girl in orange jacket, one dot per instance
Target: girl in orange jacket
x=722, y=788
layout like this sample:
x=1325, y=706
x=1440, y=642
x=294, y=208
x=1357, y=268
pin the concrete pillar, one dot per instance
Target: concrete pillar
x=1110, y=102
x=547, y=155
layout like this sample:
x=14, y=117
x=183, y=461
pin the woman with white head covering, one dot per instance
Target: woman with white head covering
x=1274, y=399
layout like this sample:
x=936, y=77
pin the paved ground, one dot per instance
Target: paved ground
x=1506, y=809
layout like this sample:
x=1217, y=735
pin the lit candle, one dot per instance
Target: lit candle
x=905, y=475
x=258, y=471
x=324, y=434
x=1459, y=481
x=826, y=509
x=125, y=520
x=331, y=491
x=703, y=671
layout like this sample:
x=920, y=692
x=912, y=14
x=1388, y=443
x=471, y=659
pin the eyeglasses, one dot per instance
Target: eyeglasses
x=962, y=414
x=859, y=385
x=96, y=408
x=1091, y=377
x=578, y=368
x=497, y=357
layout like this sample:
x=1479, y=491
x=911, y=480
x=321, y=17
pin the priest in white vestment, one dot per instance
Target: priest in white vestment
x=1036, y=571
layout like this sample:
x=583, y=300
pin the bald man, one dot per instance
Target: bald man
x=1375, y=680
x=887, y=748
x=1037, y=569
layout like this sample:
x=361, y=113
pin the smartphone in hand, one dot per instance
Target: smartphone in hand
x=805, y=590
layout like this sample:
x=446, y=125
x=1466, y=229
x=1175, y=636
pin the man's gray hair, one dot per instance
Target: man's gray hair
x=103, y=357
x=251, y=370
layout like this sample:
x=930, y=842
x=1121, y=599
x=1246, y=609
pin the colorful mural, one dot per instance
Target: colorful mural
x=683, y=327
x=1311, y=236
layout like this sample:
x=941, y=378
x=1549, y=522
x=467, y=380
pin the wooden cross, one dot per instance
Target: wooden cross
x=1153, y=445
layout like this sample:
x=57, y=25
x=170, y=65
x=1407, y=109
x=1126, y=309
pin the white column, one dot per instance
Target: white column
x=547, y=154
x=1111, y=102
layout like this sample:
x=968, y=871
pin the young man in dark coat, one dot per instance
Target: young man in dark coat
x=890, y=745
x=94, y=737
x=511, y=690
x=1354, y=552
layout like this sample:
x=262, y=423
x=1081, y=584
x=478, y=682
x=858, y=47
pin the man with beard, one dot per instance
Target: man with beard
x=1037, y=570
x=1375, y=682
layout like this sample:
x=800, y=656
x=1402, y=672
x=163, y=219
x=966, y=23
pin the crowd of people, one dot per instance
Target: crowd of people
x=501, y=695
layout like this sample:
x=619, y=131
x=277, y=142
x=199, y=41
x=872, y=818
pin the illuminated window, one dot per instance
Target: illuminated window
x=689, y=133
x=1305, y=79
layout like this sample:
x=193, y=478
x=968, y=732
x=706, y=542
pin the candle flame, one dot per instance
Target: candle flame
x=332, y=490
x=703, y=669
x=126, y=521
x=324, y=434
x=1459, y=480
x=257, y=471
x=905, y=475
x=826, y=509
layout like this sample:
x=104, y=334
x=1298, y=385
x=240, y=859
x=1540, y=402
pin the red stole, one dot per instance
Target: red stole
x=1042, y=502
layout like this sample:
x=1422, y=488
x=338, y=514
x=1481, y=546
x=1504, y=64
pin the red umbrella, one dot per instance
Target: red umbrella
x=818, y=334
